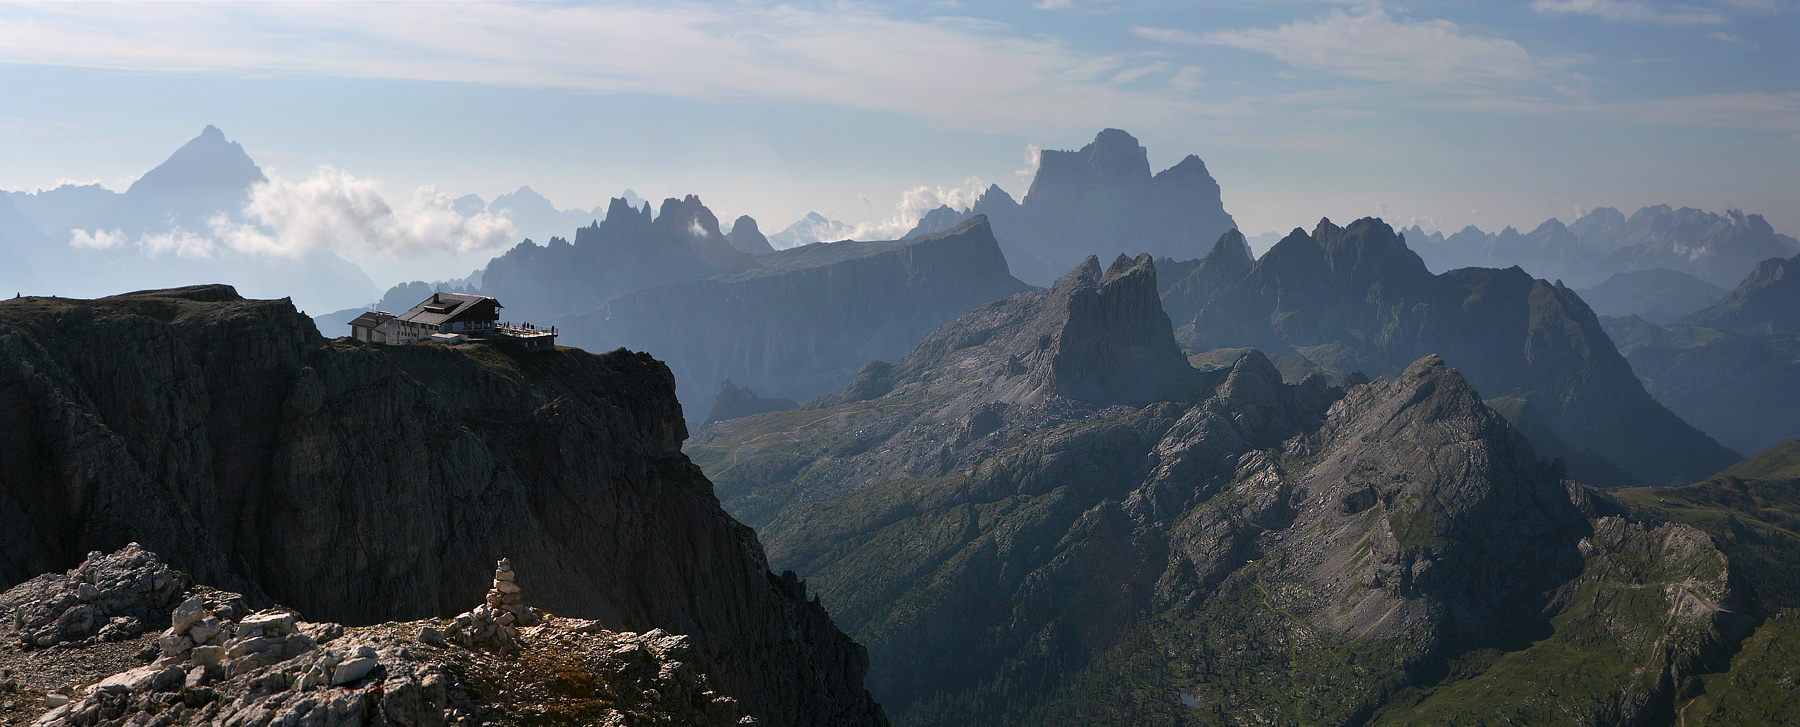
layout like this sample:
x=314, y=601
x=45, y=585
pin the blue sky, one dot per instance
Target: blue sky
x=1444, y=112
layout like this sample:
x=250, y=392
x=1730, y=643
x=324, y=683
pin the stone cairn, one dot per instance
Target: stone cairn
x=495, y=623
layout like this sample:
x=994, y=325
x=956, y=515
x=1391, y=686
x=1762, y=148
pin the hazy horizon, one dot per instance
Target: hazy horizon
x=1436, y=113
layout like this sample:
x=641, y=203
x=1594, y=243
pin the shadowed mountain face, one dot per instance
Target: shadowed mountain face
x=364, y=483
x=1020, y=540
x=803, y=321
x=1765, y=302
x=1341, y=300
x=626, y=251
x=1101, y=200
x=1732, y=368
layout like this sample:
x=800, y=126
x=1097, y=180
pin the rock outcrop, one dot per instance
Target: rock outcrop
x=217, y=664
x=367, y=483
x=1226, y=549
x=107, y=598
x=804, y=320
x=1356, y=298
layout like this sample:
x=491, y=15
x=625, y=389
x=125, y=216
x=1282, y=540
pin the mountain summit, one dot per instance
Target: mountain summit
x=1100, y=200
x=208, y=161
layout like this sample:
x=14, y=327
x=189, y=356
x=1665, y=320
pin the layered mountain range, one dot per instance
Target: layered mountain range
x=87, y=240
x=365, y=483
x=1043, y=515
x=1357, y=299
x=1732, y=368
x=1099, y=200
x=801, y=322
x=1717, y=249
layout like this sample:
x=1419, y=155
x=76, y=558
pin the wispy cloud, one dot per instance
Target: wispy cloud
x=1772, y=112
x=1371, y=44
x=1167, y=35
x=1630, y=11
x=1732, y=38
x=1187, y=79
x=981, y=75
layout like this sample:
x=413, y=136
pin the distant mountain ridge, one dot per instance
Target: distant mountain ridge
x=802, y=321
x=810, y=229
x=627, y=249
x=1356, y=298
x=1718, y=249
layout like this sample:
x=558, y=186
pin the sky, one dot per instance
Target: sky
x=1440, y=112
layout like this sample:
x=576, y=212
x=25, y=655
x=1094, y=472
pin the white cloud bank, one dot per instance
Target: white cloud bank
x=330, y=210
x=915, y=202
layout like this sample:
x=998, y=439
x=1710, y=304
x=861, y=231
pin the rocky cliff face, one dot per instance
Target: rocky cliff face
x=802, y=323
x=626, y=251
x=368, y=483
x=1357, y=299
x=1225, y=549
x=1101, y=201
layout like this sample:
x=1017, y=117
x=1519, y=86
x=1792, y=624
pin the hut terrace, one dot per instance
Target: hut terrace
x=449, y=318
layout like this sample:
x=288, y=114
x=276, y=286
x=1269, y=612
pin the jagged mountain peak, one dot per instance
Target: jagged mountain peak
x=206, y=161
x=1367, y=249
x=1231, y=246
